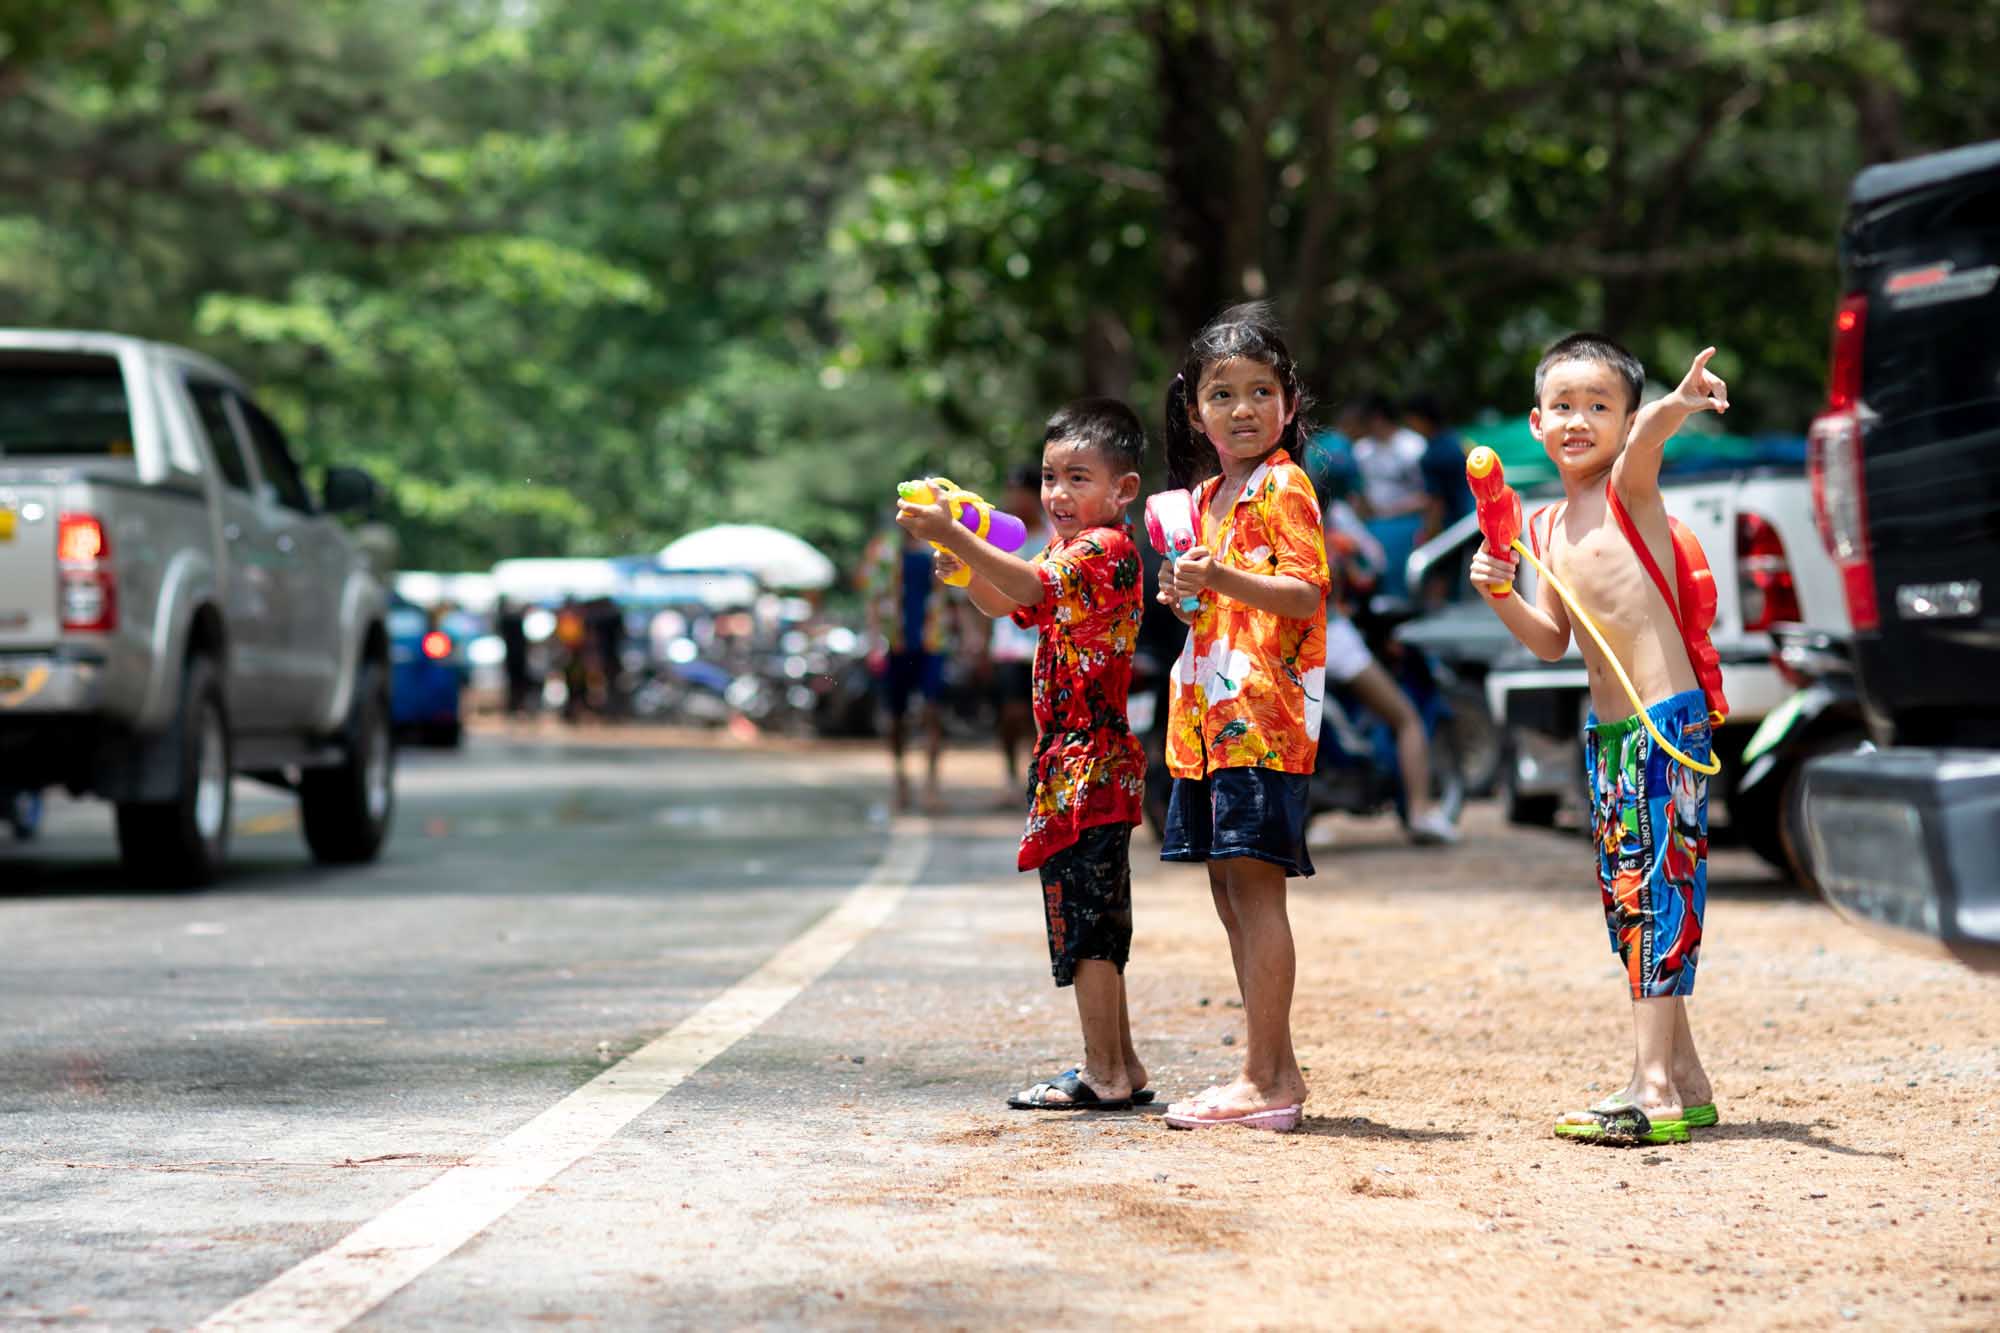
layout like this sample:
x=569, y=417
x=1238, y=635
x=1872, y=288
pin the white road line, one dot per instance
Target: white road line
x=337, y=1286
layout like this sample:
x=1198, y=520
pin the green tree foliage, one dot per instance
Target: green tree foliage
x=577, y=277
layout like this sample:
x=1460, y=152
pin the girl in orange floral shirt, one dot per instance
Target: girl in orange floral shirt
x=1244, y=714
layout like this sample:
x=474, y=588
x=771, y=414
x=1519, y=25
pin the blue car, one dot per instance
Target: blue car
x=428, y=668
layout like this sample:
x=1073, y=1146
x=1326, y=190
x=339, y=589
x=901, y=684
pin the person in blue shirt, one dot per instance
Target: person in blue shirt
x=1443, y=461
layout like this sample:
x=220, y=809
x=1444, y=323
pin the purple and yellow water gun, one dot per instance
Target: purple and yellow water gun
x=993, y=526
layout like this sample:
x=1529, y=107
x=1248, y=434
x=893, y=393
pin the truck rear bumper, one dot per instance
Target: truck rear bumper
x=46, y=683
x=1906, y=842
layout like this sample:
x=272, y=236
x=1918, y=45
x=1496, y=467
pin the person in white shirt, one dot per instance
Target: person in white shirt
x=1011, y=650
x=1394, y=500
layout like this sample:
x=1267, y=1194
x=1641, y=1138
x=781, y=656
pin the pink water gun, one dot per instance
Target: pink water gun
x=1170, y=527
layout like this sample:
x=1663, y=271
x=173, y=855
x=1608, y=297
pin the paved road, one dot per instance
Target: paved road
x=198, y=1091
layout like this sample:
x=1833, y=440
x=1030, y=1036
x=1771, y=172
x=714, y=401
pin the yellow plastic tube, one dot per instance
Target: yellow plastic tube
x=1713, y=766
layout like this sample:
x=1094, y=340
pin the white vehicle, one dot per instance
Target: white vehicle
x=176, y=608
x=1756, y=528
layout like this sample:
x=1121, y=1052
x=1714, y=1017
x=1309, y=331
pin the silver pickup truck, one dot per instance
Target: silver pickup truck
x=176, y=607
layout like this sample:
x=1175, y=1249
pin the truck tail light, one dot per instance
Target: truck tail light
x=1836, y=466
x=88, y=587
x=1765, y=591
x=1850, y=322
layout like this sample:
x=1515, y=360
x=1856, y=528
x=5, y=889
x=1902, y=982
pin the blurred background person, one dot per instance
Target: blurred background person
x=511, y=625
x=909, y=627
x=1394, y=502
x=1444, y=460
x=1010, y=649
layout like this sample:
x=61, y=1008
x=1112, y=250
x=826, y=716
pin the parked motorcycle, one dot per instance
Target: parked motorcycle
x=1822, y=717
x=24, y=813
x=1357, y=771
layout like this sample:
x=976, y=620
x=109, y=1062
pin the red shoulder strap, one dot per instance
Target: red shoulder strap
x=1631, y=531
x=1534, y=532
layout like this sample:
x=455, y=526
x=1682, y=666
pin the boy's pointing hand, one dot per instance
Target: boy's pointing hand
x=1702, y=391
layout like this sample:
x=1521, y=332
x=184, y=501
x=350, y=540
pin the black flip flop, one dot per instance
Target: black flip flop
x=1082, y=1097
x=1140, y=1096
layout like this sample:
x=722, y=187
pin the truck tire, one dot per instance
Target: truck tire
x=347, y=808
x=183, y=842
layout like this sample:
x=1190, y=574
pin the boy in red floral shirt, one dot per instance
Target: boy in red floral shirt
x=1087, y=779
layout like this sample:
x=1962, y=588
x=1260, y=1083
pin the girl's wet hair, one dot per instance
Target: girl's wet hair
x=1250, y=331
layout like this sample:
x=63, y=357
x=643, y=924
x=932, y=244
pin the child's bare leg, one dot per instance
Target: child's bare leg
x=1218, y=888
x=1100, y=1007
x=1271, y=1075
x=1655, y=1024
x=1689, y=1076
x=1135, y=1073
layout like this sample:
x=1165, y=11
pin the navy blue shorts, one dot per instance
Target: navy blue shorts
x=1255, y=812
x=905, y=674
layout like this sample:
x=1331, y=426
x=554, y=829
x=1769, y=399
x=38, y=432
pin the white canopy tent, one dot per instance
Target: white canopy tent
x=778, y=559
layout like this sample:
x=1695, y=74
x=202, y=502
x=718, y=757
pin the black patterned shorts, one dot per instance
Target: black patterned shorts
x=1087, y=895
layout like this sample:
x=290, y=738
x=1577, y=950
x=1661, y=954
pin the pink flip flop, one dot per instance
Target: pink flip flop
x=1279, y=1119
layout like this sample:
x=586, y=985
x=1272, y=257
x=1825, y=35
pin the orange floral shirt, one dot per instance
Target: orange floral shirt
x=1088, y=767
x=1246, y=690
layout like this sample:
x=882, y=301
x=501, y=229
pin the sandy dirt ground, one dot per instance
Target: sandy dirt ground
x=1450, y=1005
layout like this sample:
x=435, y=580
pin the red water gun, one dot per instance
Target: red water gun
x=1499, y=508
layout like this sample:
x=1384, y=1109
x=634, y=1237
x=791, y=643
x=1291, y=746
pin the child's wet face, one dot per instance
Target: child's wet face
x=1583, y=417
x=1241, y=407
x=1081, y=488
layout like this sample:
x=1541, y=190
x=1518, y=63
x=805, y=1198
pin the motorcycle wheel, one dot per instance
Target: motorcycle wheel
x=1447, y=774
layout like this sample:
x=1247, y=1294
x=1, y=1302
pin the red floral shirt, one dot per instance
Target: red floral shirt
x=1088, y=767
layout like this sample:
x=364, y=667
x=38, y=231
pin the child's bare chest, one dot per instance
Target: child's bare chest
x=1602, y=570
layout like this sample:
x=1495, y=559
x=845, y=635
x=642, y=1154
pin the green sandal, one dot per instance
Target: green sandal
x=1698, y=1117
x=1623, y=1125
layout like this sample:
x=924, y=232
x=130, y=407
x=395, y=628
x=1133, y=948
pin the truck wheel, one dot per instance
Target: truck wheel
x=1534, y=811
x=184, y=842
x=346, y=809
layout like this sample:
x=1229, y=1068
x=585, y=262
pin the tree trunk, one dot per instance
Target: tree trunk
x=1880, y=106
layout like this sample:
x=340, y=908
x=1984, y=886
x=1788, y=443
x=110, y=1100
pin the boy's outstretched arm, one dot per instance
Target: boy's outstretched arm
x=1008, y=576
x=986, y=598
x=1638, y=468
x=1543, y=628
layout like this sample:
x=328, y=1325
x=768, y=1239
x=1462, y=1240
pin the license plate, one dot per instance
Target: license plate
x=6, y=525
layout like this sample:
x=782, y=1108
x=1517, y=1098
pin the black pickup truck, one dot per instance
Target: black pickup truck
x=1905, y=468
